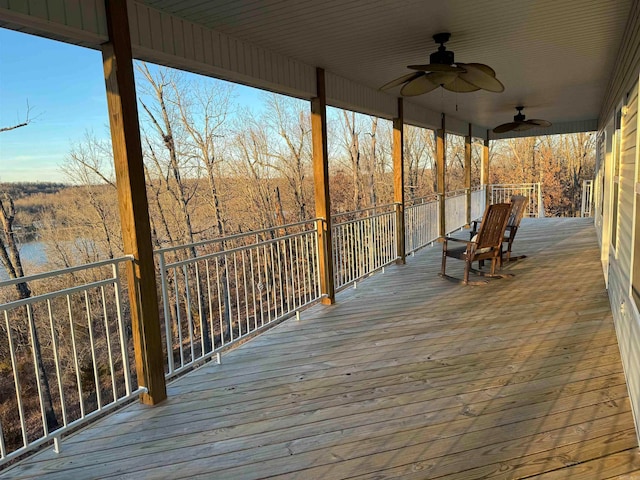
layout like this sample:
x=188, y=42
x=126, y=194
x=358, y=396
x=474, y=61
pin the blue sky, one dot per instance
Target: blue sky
x=64, y=86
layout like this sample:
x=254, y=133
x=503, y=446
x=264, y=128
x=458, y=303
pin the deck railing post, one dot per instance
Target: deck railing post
x=440, y=173
x=321, y=189
x=467, y=175
x=132, y=200
x=540, y=201
x=484, y=171
x=398, y=182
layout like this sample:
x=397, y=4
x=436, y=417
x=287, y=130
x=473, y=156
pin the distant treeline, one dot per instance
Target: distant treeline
x=25, y=189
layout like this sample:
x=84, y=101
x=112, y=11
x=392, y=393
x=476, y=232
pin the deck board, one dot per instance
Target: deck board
x=408, y=376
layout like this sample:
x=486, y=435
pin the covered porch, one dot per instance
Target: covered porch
x=406, y=376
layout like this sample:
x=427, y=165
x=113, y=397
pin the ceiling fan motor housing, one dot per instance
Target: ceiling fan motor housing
x=442, y=57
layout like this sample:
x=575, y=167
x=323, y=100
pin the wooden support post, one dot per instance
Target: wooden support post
x=441, y=147
x=467, y=174
x=321, y=188
x=132, y=200
x=398, y=181
x=484, y=170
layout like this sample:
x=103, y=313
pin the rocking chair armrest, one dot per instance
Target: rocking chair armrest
x=446, y=240
x=452, y=239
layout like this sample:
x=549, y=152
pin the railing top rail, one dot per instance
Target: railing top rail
x=455, y=193
x=415, y=205
x=362, y=210
x=377, y=215
x=234, y=250
x=64, y=271
x=521, y=185
x=433, y=197
x=58, y=293
x=234, y=237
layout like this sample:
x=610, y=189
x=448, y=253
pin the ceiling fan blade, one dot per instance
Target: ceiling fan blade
x=536, y=122
x=460, y=86
x=401, y=80
x=437, y=67
x=420, y=85
x=480, y=66
x=481, y=76
x=522, y=126
x=506, y=127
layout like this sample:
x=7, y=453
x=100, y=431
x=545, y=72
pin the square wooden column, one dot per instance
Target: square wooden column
x=321, y=189
x=398, y=181
x=484, y=170
x=132, y=200
x=467, y=174
x=441, y=147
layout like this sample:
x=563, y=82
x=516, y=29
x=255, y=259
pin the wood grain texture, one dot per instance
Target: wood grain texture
x=484, y=170
x=467, y=174
x=407, y=377
x=398, y=180
x=321, y=188
x=441, y=162
x=132, y=202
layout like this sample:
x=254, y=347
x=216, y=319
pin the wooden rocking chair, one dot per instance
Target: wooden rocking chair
x=518, y=206
x=486, y=246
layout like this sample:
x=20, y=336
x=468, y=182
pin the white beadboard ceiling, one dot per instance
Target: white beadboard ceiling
x=554, y=57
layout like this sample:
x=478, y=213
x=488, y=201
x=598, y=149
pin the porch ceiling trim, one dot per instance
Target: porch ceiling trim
x=207, y=52
x=166, y=39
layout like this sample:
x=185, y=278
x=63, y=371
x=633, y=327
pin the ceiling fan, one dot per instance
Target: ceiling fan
x=519, y=123
x=443, y=71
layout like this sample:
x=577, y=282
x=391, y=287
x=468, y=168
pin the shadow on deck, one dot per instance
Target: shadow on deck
x=408, y=376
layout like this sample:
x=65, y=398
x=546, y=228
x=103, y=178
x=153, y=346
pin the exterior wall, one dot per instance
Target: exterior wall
x=618, y=260
x=622, y=94
x=627, y=160
x=627, y=66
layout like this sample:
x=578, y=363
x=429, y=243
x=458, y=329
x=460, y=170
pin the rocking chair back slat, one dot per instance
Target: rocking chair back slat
x=518, y=204
x=493, y=225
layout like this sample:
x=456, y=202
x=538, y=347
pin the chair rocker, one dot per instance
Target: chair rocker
x=487, y=245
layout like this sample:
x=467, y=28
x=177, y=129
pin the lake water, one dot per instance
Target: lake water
x=32, y=254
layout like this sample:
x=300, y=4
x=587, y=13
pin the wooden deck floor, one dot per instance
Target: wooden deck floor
x=409, y=376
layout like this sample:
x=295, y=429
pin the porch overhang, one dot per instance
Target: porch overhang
x=566, y=62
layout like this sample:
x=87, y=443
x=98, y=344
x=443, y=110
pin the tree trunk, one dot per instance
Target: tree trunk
x=13, y=265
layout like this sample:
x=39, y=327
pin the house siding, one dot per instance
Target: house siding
x=619, y=270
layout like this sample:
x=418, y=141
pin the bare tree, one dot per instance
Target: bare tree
x=21, y=123
x=291, y=156
x=10, y=257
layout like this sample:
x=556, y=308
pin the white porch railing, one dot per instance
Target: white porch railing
x=421, y=224
x=587, y=198
x=455, y=210
x=65, y=353
x=217, y=292
x=363, y=245
x=501, y=193
x=478, y=201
